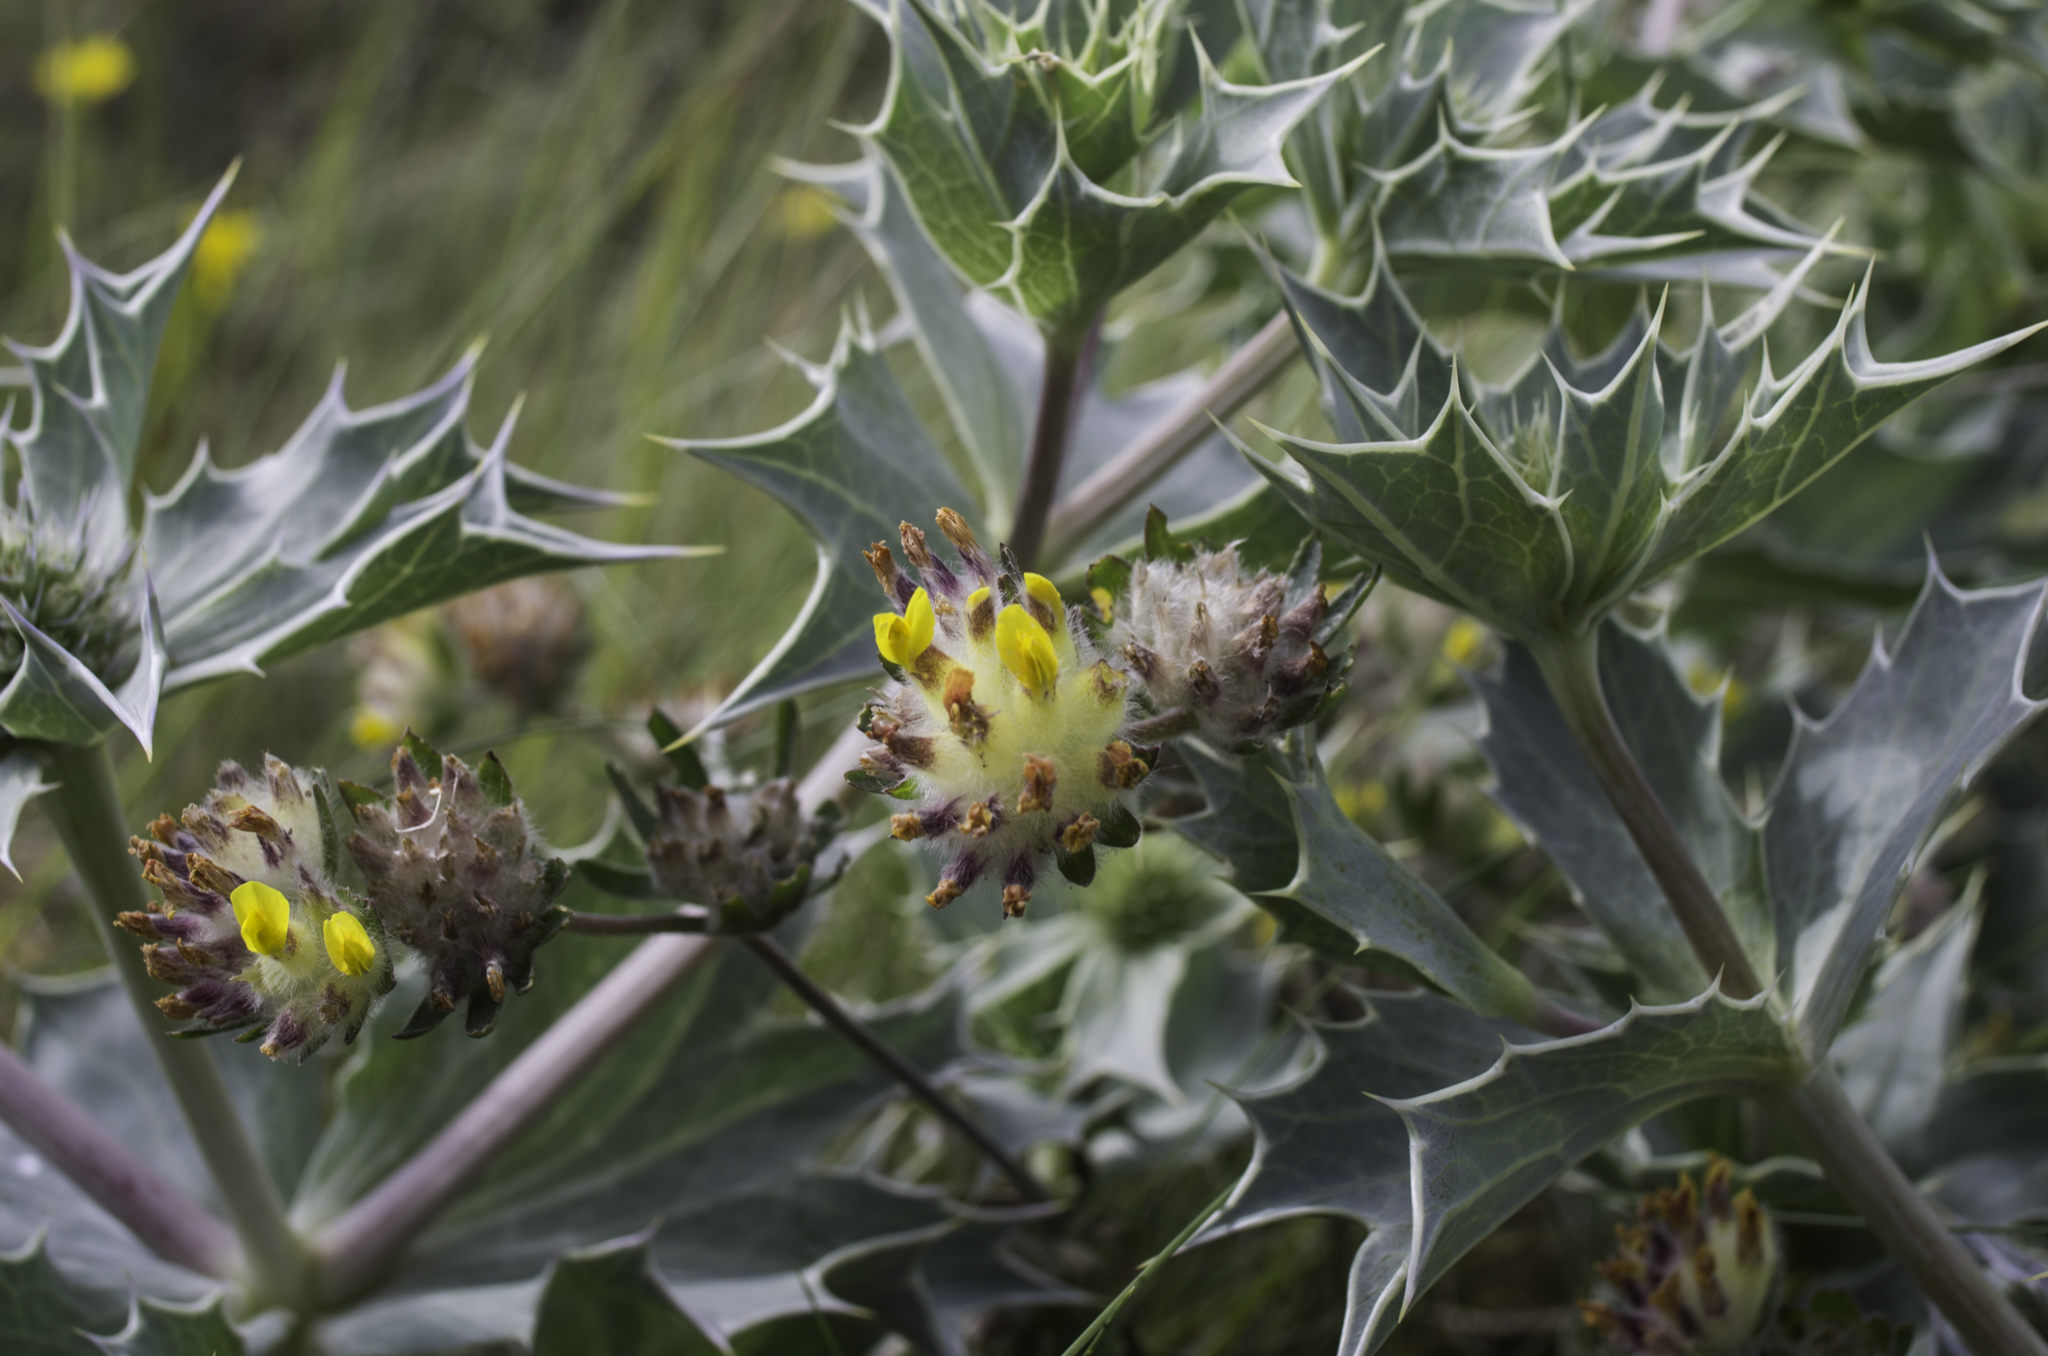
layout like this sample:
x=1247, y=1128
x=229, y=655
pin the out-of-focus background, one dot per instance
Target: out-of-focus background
x=587, y=187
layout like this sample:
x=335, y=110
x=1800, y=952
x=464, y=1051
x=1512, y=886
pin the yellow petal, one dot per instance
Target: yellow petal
x=348, y=946
x=922, y=624
x=1041, y=588
x=265, y=916
x=1026, y=649
x=892, y=637
x=87, y=71
x=977, y=598
x=370, y=728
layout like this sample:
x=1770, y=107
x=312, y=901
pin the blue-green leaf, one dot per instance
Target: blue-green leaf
x=608, y=1299
x=851, y=467
x=21, y=781
x=90, y=390
x=155, y=1329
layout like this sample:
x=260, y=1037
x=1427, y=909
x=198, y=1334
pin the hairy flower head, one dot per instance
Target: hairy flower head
x=1231, y=653
x=455, y=872
x=53, y=581
x=747, y=856
x=1003, y=726
x=1694, y=1274
x=252, y=930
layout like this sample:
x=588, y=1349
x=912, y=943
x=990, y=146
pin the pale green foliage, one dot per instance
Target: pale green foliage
x=1040, y=153
x=1540, y=502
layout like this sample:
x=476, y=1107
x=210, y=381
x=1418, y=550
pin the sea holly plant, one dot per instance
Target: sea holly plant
x=1351, y=808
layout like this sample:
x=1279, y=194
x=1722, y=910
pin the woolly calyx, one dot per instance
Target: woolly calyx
x=454, y=871
x=1235, y=655
x=53, y=581
x=746, y=855
x=251, y=929
x=1694, y=1274
x=1003, y=726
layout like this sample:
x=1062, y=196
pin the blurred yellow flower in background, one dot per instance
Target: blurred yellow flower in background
x=223, y=250
x=91, y=70
x=1465, y=642
x=803, y=212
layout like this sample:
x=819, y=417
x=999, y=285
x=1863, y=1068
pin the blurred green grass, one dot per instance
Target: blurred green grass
x=585, y=186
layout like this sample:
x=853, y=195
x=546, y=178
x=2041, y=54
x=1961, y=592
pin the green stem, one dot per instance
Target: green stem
x=1051, y=431
x=1571, y=666
x=1846, y=1148
x=1837, y=1136
x=85, y=809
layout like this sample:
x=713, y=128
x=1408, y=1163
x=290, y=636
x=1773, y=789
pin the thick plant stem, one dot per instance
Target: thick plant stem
x=173, y=1225
x=1571, y=667
x=1051, y=431
x=1846, y=1148
x=86, y=811
x=369, y=1236
x=862, y=1038
x=1125, y=476
x=1834, y=1132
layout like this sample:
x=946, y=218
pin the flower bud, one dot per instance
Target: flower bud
x=747, y=856
x=251, y=929
x=453, y=871
x=524, y=640
x=1232, y=654
x=52, y=580
x=1004, y=728
x=1693, y=1274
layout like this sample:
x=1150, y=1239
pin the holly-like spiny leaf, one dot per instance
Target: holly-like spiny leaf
x=1539, y=503
x=608, y=1299
x=362, y=516
x=1860, y=790
x=851, y=468
x=21, y=781
x=1483, y=1148
x=155, y=1329
x=89, y=390
x=41, y=1313
x=1354, y=887
x=1327, y=1145
x=1543, y=783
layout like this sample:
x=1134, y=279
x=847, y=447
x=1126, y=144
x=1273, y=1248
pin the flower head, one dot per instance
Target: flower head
x=252, y=930
x=454, y=872
x=1003, y=725
x=230, y=240
x=1694, y=1273
x=88, y=71
x=746, y=855
x=54, y=582
x=1231, y=653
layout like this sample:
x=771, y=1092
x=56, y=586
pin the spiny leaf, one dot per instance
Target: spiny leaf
x=1350, y=883
x=608, y=1299
x=155, y=1329
x=54, y=696
x=1328, y=1146
x=851, y=468
x=1483, y=1148
x=90, y=389
x=42, y=1314
x=1539, y=503
x=1028, y=164
x=1860, y=791
x=1543, y=783
x=21, y=781
x=362, y=516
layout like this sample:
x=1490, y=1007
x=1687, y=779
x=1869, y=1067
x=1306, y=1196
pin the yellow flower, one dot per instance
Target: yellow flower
x=802, y=212
x=231, y=237
x=1041, y=588
x=370, y=728
x=265, y=915
x=902, y=639
x=88, y=71
x=1464, y=642
x=1026, y=649
x=1363, y=802
x=348, y=946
